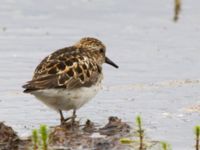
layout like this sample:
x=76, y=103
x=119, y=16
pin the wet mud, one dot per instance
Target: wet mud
x=84, y=137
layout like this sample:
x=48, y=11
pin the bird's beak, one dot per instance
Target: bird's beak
x=110, y=62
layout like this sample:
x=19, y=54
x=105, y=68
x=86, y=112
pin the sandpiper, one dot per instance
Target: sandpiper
x=69, y=77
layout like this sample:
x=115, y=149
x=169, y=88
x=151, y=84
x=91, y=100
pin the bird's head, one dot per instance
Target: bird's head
x=95, y=45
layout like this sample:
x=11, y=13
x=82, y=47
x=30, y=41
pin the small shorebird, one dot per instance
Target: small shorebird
x=70, y=77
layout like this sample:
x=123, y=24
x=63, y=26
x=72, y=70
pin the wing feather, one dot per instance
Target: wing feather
x=65, y=68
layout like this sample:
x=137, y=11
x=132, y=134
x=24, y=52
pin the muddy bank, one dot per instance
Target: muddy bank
x=87, y=136
x=9, y=140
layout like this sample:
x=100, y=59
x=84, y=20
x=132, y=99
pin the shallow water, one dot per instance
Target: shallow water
x=159, y=62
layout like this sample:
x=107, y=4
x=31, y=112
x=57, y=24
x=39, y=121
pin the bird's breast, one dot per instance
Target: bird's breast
x=64, y=99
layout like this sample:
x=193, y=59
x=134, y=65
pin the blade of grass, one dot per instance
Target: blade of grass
x=35, y=139
x=140, y=131
x=197, y=134
x=44, y=136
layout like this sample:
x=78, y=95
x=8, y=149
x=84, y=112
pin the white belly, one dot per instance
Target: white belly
x=61, y=99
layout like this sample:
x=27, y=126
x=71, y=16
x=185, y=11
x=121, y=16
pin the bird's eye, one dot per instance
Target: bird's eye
x=102, y=50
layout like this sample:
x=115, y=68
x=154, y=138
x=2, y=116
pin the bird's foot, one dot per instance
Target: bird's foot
x=70, y=121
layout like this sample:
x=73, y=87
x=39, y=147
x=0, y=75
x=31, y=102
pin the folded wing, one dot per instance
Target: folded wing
x=64, y=70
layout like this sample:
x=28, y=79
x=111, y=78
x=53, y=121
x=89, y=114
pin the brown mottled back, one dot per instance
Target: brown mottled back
x=69, y=68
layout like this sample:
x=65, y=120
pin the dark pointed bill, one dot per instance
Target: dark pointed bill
x=110, y=62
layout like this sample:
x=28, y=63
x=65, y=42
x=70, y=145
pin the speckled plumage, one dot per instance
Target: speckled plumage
x=69, y=68
x=64, y=79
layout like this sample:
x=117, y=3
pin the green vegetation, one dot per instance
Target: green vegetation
x=35, y=139
x=197, y=135
x=44, y=136
x=40, y=141
x=140, y=132
x=126, y=141
x=165, y=146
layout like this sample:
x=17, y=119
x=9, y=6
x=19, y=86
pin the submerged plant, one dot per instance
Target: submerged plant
x=197, y=135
